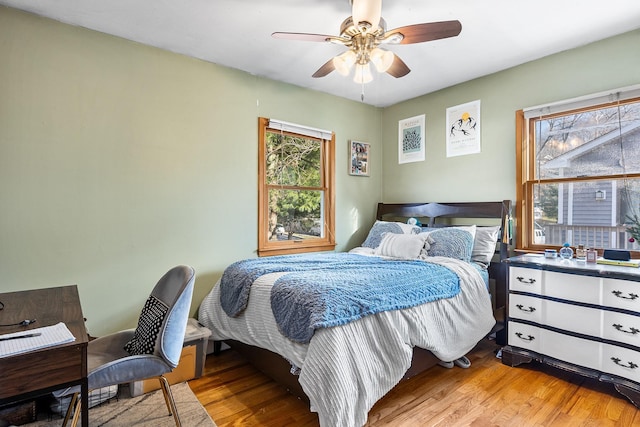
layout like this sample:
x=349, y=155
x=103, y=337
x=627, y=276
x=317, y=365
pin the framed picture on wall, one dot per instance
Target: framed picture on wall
x=411, y=139
x=463, y=129
x=359, y=158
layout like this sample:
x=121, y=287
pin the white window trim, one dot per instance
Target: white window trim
x=585, y=101
x=299, y=129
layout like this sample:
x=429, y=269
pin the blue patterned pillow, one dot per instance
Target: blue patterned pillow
x=375, y=234
x=451, y=242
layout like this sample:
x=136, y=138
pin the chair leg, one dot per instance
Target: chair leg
x=165, y=395
x=72, y=403
x=168, y=399
x=76, y=413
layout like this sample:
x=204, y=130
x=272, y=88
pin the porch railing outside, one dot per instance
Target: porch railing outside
x=613, y=237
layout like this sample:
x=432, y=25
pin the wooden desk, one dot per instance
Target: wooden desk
x=27, y=375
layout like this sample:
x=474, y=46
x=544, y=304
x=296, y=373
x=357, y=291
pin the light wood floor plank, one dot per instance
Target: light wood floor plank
x=487, y=394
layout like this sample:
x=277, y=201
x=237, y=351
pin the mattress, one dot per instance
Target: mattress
x=345, y=369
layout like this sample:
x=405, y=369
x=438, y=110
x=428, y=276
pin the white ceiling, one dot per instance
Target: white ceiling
x=496, y=34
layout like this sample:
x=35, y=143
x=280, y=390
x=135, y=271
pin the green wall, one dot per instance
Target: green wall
x=490, y=175
x=119, y=161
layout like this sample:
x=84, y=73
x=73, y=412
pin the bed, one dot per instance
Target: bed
x=344, y=356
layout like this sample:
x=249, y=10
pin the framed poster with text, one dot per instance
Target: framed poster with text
x=411, y=139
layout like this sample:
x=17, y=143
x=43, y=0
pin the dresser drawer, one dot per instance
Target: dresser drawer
x=525, y=280
x=621, y=294
x=581, y=352
x=572, y=287
x=571, y=349
x=621, y=361
x=570, y=317
x=524, y=336
x=573, y=318
x=621, y=327
x=525, y=307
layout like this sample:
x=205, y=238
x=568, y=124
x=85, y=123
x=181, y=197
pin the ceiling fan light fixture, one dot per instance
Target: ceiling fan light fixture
x=362, y=33
x=382, y=59
x=367, y=11
x=344, y=62
x=393, y=38
x=362, y=74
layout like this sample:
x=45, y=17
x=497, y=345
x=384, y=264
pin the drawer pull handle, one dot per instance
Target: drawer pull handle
x=527, y=338
x=631, y=330
x=629, y=365
x=526, y=281
x=527, y=310
x=619, y=295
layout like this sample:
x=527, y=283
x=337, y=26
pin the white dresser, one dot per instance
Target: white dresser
x=576, y=316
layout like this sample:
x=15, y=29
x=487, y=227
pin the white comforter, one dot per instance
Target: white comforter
x=346, y=369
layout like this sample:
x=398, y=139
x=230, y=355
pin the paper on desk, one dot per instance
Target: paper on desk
x=49, y=336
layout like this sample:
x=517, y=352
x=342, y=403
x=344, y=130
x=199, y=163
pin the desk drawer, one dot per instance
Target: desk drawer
x=41, y=369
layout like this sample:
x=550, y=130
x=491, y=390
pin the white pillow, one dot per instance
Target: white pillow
x=380, y=227
x=407, y=246
x=484, y=245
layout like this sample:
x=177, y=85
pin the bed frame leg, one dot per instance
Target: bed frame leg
x=217, y=348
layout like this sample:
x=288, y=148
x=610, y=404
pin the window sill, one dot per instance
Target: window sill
x=298, y=249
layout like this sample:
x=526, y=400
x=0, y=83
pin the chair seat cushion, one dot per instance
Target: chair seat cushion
x=149, y=324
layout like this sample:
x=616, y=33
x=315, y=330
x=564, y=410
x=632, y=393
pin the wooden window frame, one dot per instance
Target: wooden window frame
x=526, y=178
x=326, y=243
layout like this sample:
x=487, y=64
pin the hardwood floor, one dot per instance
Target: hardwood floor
x=487, y=394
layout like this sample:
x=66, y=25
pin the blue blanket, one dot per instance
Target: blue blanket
x=324, y=290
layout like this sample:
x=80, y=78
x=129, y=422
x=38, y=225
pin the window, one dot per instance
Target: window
x=296, y=189
x=578, y=172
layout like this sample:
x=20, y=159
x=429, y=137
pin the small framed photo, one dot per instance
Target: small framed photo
x=359, y=158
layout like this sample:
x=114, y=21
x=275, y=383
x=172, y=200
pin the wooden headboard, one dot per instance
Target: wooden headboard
x=442, y=214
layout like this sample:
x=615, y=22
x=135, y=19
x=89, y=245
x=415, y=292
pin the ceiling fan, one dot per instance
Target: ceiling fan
x=363, y=32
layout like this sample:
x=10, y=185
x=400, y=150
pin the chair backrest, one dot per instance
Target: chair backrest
x=175, y=289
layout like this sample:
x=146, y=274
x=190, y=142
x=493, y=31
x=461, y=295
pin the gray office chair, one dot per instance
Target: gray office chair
x=151, y=350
